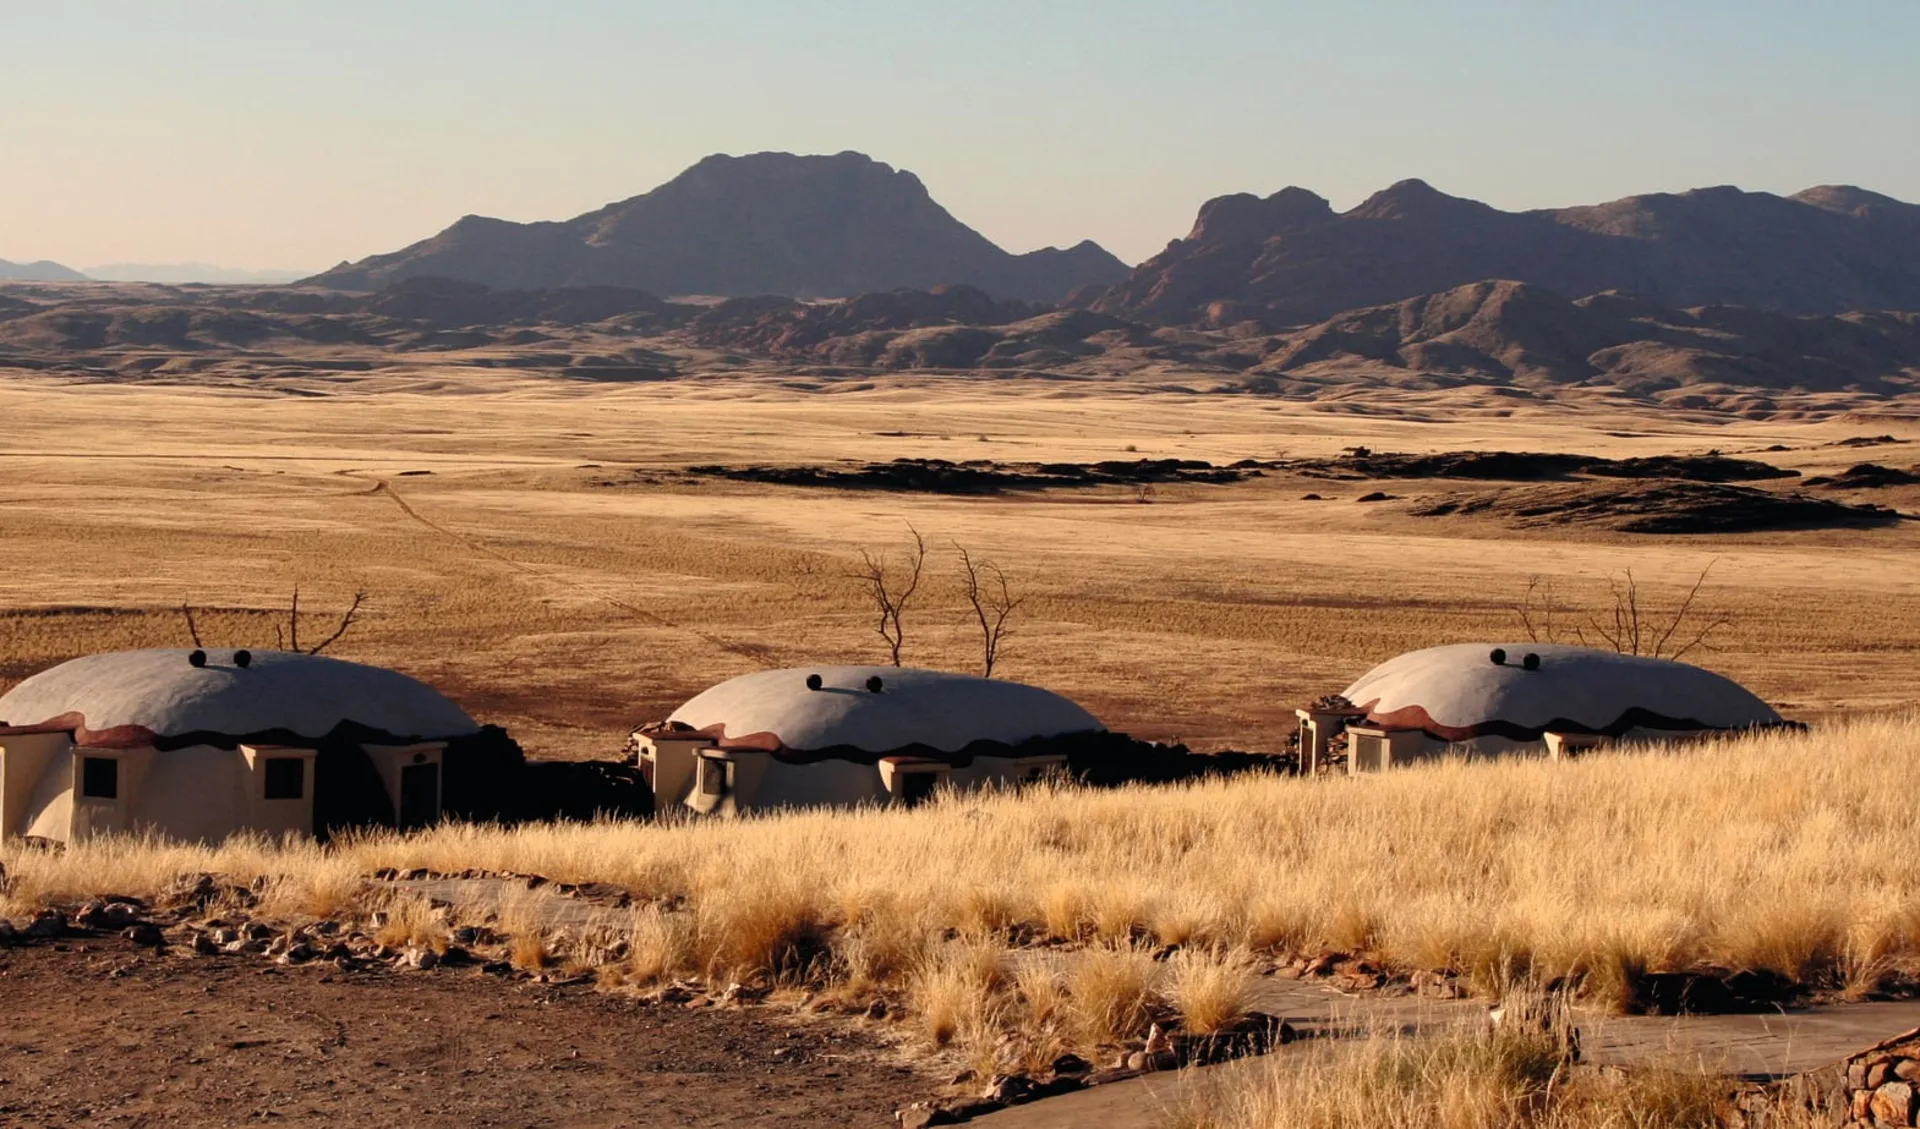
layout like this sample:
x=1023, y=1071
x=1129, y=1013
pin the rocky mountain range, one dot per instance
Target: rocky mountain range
x=770, y=223
x=1494, y=334
x=1290, y=259
x=44, y=270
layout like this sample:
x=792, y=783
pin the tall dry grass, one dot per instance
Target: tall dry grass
x=1788, y=852
x=1478, y=1078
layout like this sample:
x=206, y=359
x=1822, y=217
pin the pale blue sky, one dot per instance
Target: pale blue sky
x=270, y=133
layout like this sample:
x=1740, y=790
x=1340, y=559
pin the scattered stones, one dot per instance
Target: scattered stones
x=108, y=915
x=1009, y=1089
x=1883, y=1083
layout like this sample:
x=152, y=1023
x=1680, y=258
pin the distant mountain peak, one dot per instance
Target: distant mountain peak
x=1244, y=216
x=762, y=223
x=43, y=270
x=1413, y=198
x=1826, y=250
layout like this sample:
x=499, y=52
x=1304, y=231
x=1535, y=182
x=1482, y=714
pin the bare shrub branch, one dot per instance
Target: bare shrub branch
x=993, y=602
x=1626, y=626
x=1544, y=630
x=890, y=594
x=193, y=628
x=346, y=621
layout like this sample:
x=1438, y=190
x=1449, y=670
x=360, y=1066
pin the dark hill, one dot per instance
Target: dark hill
x=1509, y=332
x=43, y=271
x=770, y=223
x=1290, y=259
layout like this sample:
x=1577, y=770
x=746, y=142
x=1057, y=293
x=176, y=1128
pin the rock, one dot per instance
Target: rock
x=1857, y=1074
x=1322, y=964
x=144, y=933
x=602, y=892
x=1071, y=1064
x=1158, y=1042
x=1907, y=1070
x=189, y=890
x=1862, y=1104
x=919, y=1115
x=107, y=916
x=1893, y=1103
x=299, y=953
x=1429, y=982
x=1009, y=1089
x=420, y=958
x=204, y=944
x=226, y=936
x=45, y=924
x=1115, y=1074
x=7, y=932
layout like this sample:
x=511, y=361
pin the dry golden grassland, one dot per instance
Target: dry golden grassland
x=1508, y=1079
x=1784, y=852
x=549, y=577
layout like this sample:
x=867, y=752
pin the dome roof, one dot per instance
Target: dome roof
x=924, y=710
x=1457, y=693
x=131, y=698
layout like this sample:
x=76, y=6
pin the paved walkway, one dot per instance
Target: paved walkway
x=1759, y=1047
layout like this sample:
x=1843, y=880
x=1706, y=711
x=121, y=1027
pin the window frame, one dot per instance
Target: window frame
x=88, y=783
x=271, y=767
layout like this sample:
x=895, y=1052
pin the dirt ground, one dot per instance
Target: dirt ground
x=100, y=1033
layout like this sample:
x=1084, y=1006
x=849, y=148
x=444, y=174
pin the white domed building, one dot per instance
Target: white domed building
x=843, y=735
x=199, y=745
x=1481, y=699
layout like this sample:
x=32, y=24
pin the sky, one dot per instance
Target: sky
x=273, y=134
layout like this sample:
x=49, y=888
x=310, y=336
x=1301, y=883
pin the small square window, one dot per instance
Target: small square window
x=917, y=788
x=286, y=778
x=100, y=778
x=713, y=777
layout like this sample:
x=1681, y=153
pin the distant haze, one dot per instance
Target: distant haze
x=300, y=135
x=187, y=272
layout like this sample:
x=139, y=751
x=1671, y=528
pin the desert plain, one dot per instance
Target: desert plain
x=534, y=547
x=551, y=554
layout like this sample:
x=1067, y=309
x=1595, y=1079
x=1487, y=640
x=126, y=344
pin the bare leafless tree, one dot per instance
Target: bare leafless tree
x=993, y=603
x=1625, y=626
x=892, y=591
